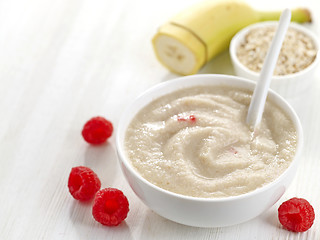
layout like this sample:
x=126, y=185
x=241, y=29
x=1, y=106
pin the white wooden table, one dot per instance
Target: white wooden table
x=65, y=61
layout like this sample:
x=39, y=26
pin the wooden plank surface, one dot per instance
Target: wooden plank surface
x=64, y=61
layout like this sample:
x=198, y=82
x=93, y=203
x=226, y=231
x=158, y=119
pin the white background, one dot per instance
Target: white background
x=65, y=61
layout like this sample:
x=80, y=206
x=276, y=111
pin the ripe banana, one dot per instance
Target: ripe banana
x=193, y=37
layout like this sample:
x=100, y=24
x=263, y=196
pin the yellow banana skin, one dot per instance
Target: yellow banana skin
x=193, y=37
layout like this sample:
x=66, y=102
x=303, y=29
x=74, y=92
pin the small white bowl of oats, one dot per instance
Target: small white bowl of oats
x=297, y=60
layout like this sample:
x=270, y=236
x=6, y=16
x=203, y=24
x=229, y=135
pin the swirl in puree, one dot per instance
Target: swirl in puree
x=196, y=142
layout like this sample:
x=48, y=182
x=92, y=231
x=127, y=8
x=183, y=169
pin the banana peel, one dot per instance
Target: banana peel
x=193, y=37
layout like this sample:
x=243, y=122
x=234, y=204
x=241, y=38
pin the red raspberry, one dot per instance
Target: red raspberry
x=97, y=130
x=296, y=215
x=83, y=183
x=110, y=207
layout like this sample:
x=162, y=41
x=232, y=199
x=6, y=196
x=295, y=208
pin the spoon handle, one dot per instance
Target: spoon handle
x=259, y=96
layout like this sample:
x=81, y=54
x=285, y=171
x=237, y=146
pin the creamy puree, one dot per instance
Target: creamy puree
x=195, y=142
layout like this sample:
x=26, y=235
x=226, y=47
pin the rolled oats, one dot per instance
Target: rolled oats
x=298, y=50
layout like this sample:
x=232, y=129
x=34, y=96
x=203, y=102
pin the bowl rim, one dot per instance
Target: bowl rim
x=122, y=158
x=241, y=34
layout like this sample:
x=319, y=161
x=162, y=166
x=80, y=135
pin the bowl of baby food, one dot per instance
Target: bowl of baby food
x=188, y=154
x=297, y=62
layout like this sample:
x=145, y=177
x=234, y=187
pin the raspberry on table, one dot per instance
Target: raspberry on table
x=83, y=183
x=97, y=130
x=296, y=214
x=110, y=207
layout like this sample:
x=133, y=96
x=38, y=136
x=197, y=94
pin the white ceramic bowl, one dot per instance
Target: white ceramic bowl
x=204, y=212
x=286, y=85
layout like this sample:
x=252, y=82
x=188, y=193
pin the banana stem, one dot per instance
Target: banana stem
x=299, y=15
